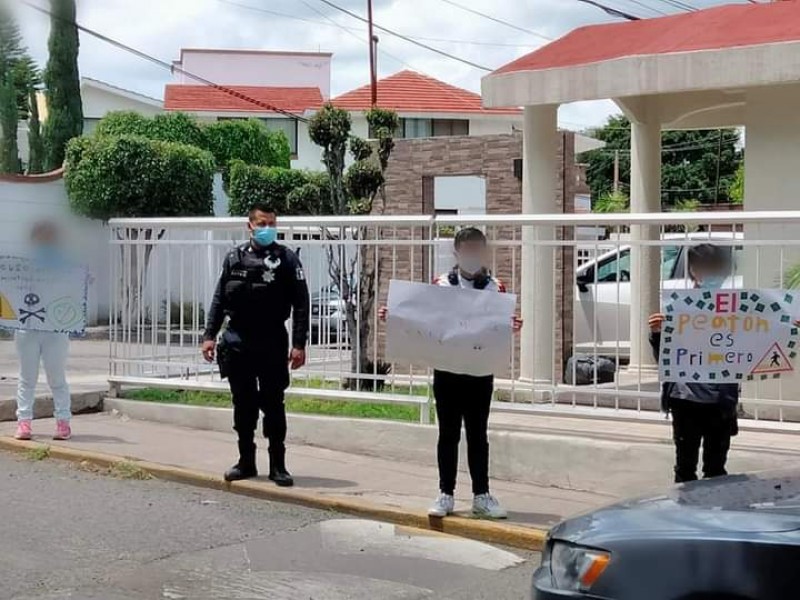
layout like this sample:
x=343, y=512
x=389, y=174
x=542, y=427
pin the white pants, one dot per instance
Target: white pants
x=51, y=349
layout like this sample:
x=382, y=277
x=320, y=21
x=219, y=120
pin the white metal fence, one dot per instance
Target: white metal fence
x=586, y=301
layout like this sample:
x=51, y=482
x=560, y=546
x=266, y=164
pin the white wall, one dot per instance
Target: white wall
x=493, y=125
x=464, y=194
x=97, y=103
x=309, y=155
x=259, y=69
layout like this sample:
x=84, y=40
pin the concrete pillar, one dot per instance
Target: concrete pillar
x=539, y=189
x=645, y=260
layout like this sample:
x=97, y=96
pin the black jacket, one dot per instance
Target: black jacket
x=258, y=290
x=726, y=394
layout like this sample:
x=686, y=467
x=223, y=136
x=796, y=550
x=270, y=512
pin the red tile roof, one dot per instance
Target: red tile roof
x=208, y=98
x=730, y=26
x=408, y=91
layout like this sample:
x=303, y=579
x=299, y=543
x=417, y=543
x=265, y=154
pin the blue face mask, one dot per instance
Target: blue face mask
x=265, y=236
x=712, y=282
x=46, y=254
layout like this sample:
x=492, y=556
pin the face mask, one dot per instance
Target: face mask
x=45, y=253
x=712, y=282
x=470, y=264
x=265, y=236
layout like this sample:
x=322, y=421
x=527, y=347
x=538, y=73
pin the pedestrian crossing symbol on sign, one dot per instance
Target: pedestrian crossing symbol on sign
x=774, y=361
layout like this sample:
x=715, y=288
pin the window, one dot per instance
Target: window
x=288, y=127
x=89, y=125
x=615, y=268
x=425, y=128
x=417, y=128
x=669, y=256
x=447, y=127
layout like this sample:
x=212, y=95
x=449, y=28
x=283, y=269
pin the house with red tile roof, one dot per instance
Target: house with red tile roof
x=285, y=88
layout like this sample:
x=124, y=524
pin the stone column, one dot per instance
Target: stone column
x=645, y=260
x=539, y=188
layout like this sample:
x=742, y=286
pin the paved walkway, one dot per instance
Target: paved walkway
x=325, y=472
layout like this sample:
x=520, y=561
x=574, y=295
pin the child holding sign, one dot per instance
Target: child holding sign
x=463, y=399
x=701, y=412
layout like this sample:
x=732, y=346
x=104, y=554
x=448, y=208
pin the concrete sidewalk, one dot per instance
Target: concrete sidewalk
x=327, y=473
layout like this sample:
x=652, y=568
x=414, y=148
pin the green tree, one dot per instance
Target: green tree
x=9, y=119
x=351, y=193
x=62, y=82
x=736, y=189
x=18, y=74
x=329, y=129
x=35, y=142
x=614, y=202
x=695, y=164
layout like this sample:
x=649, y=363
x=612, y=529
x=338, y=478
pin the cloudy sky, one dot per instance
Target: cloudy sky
x=162, y=27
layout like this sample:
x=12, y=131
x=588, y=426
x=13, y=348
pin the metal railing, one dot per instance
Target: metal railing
x=580, y=351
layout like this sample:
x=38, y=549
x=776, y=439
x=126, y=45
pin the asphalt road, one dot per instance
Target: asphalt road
x=70, y=534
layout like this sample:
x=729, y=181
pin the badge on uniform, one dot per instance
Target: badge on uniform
x=301, y=276
x=271, y=264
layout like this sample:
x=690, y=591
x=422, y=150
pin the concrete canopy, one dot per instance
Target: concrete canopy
x=734, y=65
x=724, y=48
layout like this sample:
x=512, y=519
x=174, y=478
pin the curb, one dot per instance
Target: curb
x=527, y=538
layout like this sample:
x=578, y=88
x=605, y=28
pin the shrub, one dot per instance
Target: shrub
x=131, y=176
x=312, y=198
x=249, y=141
x=246, y=140
x=248, y=184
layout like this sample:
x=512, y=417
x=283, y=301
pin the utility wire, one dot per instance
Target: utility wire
x=283, y=15
x=441, y=85
x=641, y=4
x=611, y=11
x=679, y=4
x=496, y=20
x=169, y=66
x=406, y=38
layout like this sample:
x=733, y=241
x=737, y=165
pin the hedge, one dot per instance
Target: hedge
x=246, y=140
x=132, y=176
x=288, y=191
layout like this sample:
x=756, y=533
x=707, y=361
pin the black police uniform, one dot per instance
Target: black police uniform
x=258, y=290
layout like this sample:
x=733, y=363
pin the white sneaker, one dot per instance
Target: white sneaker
x=486, y=506
x=445, y=505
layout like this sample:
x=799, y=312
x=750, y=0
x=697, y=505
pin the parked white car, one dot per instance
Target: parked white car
x=603, y=291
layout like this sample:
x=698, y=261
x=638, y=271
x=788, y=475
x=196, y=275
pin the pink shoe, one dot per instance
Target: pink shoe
x=63, y=431
x=23, y=430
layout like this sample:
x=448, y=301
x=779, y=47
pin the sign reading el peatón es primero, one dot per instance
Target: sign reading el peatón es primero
x=728, y=336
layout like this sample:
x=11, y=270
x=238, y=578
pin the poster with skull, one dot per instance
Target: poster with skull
x=42, y=297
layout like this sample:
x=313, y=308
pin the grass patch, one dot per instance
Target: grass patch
x=294, y=403
x=128, y=470
x=120, y=470
x=38, y=453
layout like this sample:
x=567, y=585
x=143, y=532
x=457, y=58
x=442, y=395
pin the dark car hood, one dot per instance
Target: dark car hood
x=762, y=502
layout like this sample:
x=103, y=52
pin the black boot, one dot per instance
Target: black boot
x=246, y=467
x=277, y=468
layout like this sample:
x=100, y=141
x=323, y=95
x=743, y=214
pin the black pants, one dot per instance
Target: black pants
x=463, y=399
x=258, y=379
x=694, y=423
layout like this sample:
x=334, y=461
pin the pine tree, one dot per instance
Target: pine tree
x=11, y=53
x=62, y=82
x=35, y=142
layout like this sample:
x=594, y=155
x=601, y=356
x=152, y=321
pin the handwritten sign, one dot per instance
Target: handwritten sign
x=41, y=297
x=452, y=329
x=728, y=336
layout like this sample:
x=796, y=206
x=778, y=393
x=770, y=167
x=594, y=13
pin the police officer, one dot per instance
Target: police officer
x=261, y=284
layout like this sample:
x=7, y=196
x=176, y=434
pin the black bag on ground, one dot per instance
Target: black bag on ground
x=581, y=370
